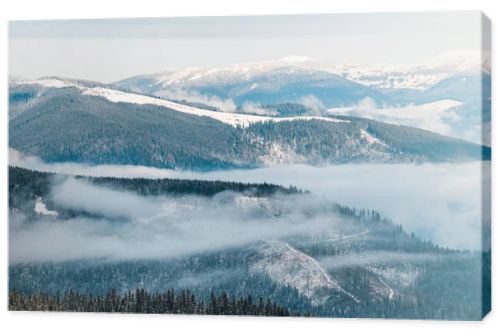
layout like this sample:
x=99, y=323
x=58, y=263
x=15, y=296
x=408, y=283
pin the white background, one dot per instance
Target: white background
x=25, y=322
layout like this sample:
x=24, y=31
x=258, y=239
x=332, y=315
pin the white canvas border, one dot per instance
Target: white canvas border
x=85, y=323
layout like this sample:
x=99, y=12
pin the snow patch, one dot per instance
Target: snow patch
x=277, y=154
x=233, y=119
x=369, y=138
x=41, y=208
x=289, y=267
x=386, y=290
x=251, y=202
x=404, y=275
x=349, y=236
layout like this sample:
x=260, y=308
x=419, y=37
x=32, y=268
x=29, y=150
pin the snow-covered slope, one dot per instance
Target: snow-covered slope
x=383, y=76
x=414, y=76
x=291, y=79
x=233, y=119
x=287, y=266
x=117, y=128
x=116, y=96
x=396, y=76
x=234, y=72
x=403, y=274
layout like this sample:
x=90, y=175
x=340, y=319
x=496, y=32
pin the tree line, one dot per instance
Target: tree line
x=142, y=301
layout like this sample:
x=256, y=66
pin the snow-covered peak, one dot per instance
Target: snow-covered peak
x=234, y=72
x=296, y=59
x=291, y=60
x=459, y=61
x=411, y=76
x=377, y=75
x=52, y=82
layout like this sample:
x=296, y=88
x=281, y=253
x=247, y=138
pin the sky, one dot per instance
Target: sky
x=114, y=49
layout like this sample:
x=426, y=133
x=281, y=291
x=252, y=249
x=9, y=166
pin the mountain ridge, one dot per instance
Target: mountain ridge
x=102, y=125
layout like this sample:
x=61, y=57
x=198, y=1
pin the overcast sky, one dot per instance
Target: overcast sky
x=109, y=50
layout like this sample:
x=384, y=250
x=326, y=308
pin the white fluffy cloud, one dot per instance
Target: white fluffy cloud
x=314, y=104
x=256, y=109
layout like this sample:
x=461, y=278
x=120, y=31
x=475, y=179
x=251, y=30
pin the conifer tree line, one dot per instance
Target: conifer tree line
x=141, y=301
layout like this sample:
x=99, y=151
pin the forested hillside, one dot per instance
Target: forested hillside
x=65, y=125
x=347, y=263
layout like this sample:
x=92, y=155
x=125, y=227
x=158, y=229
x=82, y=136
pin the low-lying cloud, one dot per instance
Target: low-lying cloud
x=439, y=202
x=119, y=225
x=79, y=195
x=315, y=106
x=225, y=105
x=439, y=116
x=377, y=258
x=257, y=109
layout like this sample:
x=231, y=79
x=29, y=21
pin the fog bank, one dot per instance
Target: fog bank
x=440, y=202
x=119, y=225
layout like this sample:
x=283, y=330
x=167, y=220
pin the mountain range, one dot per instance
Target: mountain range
x=320, y=85
x=62, y=120
x=71, y=235
x=247, y=80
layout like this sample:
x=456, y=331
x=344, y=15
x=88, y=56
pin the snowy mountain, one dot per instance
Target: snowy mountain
x=307, y=86
x=414, y=76
x=104, y=125
x=255, y=82
x=249, y=93
x=116, y=96
x=291, y=79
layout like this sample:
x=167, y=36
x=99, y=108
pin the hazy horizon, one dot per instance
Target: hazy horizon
x=113, y=49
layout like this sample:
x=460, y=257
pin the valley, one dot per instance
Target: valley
x=284, y=187
x=225, y=237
